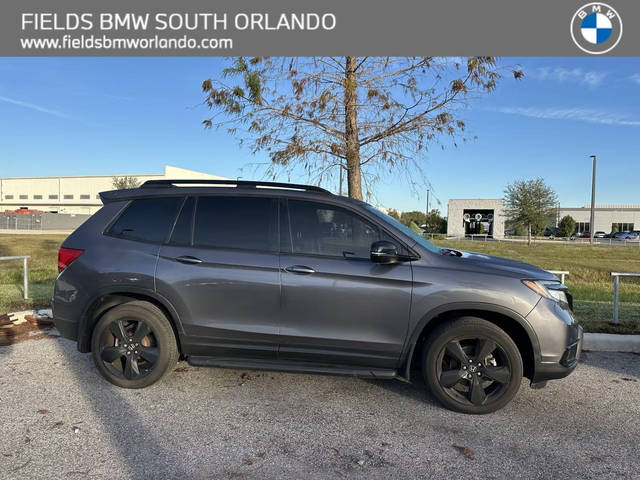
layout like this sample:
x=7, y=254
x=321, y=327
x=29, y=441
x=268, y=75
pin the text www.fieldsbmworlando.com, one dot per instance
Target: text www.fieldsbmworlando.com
x=103, y=42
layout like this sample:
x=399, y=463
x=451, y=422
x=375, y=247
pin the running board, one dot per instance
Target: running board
x=293, y=367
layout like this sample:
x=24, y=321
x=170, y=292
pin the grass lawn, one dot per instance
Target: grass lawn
x=43, y=269
x=589, y=280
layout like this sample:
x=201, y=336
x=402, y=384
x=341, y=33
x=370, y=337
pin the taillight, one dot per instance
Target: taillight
x=66, y=256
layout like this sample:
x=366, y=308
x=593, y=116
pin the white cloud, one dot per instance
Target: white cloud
x=636, y=78
x=591, y=79
x=577, y=114
x=33, y=106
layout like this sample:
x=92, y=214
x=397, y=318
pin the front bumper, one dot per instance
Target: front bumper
x=560, y=340
x=568, y=362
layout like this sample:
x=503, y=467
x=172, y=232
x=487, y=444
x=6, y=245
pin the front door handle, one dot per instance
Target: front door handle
x=300, y=269
x=188, y=259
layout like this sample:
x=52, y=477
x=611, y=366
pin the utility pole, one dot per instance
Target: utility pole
x=426, y=218
x=427, y=202
x=593, y=200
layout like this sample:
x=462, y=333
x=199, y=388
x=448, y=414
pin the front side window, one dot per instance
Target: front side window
x=247, y=223
x=147, y=219
x=321, y=229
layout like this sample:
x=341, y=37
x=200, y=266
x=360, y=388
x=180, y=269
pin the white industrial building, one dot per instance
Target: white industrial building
x=75, y=194
x=475, y=216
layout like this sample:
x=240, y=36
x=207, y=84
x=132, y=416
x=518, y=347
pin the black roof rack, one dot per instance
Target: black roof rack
x=232, y=183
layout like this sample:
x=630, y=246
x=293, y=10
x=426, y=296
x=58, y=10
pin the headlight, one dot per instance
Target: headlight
x=548, y=289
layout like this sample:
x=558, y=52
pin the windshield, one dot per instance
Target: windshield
x=404, y=229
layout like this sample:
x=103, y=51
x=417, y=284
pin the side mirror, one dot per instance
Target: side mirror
x=384, y=251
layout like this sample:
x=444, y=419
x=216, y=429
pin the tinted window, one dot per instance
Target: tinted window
x=182, y=231
x=148, y=219
x=322, y=229
x=236, y=222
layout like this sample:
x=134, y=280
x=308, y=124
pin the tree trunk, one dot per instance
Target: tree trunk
x=354, y=180
x=529, y=234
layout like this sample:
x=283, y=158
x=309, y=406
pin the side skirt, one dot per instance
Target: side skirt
x=293, y=367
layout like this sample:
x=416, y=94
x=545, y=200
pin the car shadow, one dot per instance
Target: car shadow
x=416, y=390
x=136, y=440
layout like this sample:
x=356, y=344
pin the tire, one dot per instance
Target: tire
x=133, y=345
x=495, y=377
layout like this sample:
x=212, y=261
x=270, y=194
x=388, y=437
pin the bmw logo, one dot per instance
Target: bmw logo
x=596, y=28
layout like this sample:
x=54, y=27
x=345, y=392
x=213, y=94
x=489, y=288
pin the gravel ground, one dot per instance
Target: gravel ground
x=59, y=419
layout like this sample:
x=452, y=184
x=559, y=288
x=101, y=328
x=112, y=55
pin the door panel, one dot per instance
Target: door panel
x=229, y=304
x=348, y=312
x=221, y=272
x=338, y=306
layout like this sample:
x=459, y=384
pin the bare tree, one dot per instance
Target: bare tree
x=121, y=183
x=368, y=116
x=530, y=203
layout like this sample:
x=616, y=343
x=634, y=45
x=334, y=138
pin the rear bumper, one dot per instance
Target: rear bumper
x=67, y=328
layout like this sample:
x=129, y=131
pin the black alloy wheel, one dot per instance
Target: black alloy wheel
x=134, y=345
x=475, y=370
x=130, y=350
x=472, y=366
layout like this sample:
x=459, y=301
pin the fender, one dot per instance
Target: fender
x=123, y=290
x=407, y=353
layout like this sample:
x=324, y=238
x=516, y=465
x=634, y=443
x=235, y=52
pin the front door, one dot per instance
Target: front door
x=220, y=270
x=339, y=307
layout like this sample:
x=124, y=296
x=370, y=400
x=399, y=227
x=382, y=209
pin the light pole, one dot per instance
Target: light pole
x=593, y=200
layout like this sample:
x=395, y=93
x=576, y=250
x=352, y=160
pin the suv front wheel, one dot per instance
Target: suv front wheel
x=472, y=366
x=133, y=345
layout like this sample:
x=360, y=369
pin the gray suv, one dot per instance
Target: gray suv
x=290, y=277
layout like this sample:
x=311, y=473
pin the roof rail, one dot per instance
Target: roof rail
x=232, y=183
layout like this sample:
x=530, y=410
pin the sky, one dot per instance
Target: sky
x=80, y=116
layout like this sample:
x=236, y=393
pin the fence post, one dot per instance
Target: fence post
x=616, y=286
x=26, y=278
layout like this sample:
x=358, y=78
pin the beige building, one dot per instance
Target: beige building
x=78, y=194
x=623, y=217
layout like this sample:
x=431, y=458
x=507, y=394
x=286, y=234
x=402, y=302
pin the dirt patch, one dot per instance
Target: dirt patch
x=15, y=328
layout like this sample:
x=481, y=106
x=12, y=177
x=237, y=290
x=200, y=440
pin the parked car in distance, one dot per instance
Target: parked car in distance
x=585, y=235
x=599, y=235
x=627, y=235
x=552, y=232
x=274, y=276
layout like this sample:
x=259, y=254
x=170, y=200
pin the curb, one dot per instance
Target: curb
x=611, y=342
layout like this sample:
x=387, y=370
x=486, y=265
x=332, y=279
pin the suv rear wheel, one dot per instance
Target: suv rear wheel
x=472, y=366
x=133, y=345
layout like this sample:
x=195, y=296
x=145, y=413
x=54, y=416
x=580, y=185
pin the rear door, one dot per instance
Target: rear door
x=220, y=270
x=338, y=306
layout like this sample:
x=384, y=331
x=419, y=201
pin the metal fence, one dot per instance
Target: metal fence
x=41, y=221
x=25, y=272
x=616, y=290
x=555, y=240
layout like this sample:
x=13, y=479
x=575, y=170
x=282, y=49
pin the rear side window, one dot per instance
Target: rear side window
x=147, y=219
x=236, y=222
x=182, y=231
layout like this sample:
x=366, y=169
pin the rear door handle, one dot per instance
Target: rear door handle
x=188, y=259
x=300, y=269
